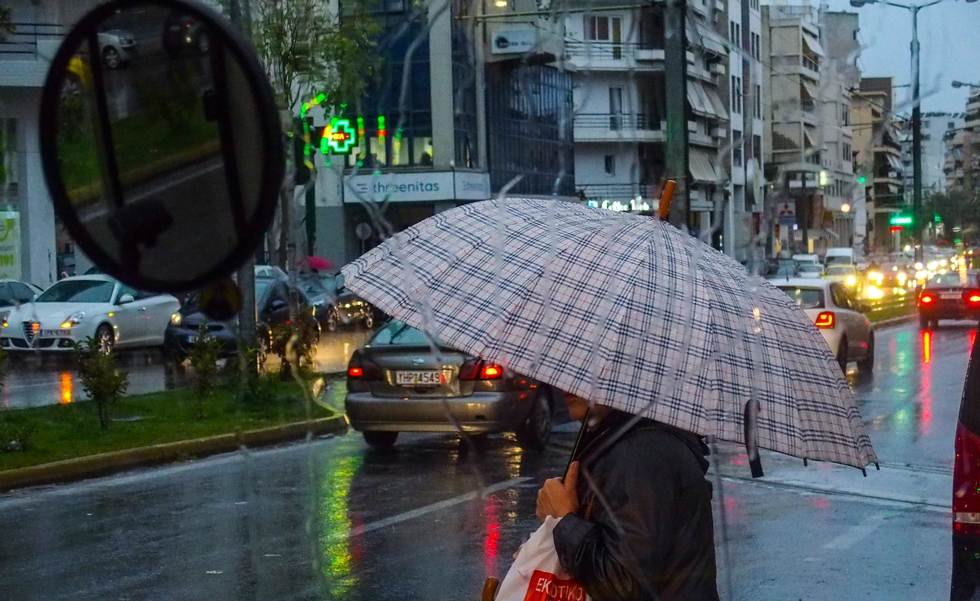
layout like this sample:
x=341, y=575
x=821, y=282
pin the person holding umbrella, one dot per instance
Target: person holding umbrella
x=635, y=510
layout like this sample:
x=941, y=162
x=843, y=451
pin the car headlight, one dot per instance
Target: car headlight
x=176, y=318
x=74, y=320
x=851, y=280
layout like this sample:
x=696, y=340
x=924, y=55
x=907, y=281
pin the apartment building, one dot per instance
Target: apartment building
x=616, y=57
x=878, y=159
x=961, y=163
x=791, y=44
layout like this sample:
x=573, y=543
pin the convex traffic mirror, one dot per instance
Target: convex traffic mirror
x=161, y=143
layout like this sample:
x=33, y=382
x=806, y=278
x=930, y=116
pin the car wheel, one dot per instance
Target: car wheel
x=867, y=364
x=923, y=322
x=105, y=341
x=111, y=57
x=842, y=355
x=380, y=440
x=332, y=321
x=369, y=321
x=535, y=432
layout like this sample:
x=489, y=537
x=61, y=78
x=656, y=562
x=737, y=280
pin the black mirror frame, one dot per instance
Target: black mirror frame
x=273, y=170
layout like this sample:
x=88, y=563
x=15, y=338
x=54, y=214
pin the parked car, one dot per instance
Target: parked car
x=335, y=305
x=395, y=383
x=184, y=34
x=118, y=47
x=272, y=310
x=966, y=488
x=949, y=296
x=77, y=308
x=838, y=316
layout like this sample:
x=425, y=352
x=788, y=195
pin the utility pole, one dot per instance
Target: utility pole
x=246, y=273
x=675, y=77
x=917, y=242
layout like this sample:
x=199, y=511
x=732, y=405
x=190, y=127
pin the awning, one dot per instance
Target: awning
x=702, y=167
x=896, y=163
x=699, y=34
x=720, y=108
x=811, y=90
x=808, y=139
x=700, y=103
x=812, y=44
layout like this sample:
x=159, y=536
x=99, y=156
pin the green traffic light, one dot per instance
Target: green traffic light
x=862, y=180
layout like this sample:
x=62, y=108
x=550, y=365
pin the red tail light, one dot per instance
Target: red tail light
x=926, y=299
x=966, y=482
x=362, y=368
x=825, y=320
x=973, y=297
x=476, y=369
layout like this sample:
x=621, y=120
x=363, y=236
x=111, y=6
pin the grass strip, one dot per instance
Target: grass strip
x=59, y=432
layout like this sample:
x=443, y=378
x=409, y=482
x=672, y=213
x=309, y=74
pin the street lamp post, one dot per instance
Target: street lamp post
x=916, y=117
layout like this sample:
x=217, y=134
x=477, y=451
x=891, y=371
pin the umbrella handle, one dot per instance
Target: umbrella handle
x=490, y=589
x=666, y=197
x=578, y=442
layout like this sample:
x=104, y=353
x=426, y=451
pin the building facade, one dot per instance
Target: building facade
x=617, y=61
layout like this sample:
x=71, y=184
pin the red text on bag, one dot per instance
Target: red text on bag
x=547, y=587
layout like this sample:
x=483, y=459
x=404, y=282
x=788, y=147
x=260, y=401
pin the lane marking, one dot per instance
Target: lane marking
x=856, y=533
x=414, y=513
x=888, y=500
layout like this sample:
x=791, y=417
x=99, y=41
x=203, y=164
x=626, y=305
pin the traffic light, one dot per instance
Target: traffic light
x=862, y=180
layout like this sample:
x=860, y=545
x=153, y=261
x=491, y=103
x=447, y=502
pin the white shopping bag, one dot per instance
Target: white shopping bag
x=537, y=575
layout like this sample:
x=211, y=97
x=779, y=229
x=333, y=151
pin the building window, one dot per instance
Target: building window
x=736, y=95
x=756, y=41
x=758, y=101
x=846, y=154
x=757, y=148
x=603, y=29
x=950, y=125
x=736, y=148
x=845, y=114
x=610, y=164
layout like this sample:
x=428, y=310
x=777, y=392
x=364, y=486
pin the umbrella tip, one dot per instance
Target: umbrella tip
x=805, y=463
x=877, y=467
x=864, y=472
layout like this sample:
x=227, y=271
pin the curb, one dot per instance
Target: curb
x=104, y=464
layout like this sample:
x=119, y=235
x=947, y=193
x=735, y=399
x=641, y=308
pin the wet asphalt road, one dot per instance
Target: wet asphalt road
x=331, y=519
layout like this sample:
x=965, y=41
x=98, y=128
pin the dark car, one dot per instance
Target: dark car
x=396, y=383
x=949, y=296
x=184, y=34
x=334, y=304
x=272, y=306
x=966, y=489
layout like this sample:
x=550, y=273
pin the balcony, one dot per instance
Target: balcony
x=26, y=53
x=609, y=56
x=620, y=197
x=623, y=127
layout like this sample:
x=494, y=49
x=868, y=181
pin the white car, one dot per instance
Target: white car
x=97, y=306
x=117, y=47
x=839, y=317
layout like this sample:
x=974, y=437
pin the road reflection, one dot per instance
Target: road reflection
x=66, y=388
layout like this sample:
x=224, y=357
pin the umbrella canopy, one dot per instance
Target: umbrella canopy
x=317, y=263
x=626, y=311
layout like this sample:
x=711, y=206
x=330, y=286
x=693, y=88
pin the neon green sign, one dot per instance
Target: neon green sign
x=900, y=220
x=339, y=137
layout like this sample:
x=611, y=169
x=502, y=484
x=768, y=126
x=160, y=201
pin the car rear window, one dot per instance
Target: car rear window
x=945, y=280
x=805, y=298
x=399, y=333
x=840, y=270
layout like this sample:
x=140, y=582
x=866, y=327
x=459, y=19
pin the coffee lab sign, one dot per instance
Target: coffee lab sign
x=418, y=187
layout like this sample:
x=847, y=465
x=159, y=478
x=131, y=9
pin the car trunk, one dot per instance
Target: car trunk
x=414, y=371
x=951, y=298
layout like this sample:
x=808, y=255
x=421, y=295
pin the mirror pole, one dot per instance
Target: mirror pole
x=246, y=273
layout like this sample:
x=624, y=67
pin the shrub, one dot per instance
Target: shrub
x=203, y=355
x=100, y=379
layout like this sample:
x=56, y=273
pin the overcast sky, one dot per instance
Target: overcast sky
x=949, y=35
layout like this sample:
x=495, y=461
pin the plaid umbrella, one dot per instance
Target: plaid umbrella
x=626, y=311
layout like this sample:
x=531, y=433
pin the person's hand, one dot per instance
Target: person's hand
x=557, y=498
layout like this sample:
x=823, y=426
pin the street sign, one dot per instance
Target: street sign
x=900, y=220
x=339, y=137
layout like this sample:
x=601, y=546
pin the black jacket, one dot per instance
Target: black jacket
x=644, y=530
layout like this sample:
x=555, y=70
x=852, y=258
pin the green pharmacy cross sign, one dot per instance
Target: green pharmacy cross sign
x=339, y=137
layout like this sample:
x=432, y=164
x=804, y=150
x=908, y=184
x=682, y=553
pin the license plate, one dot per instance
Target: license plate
x=418, y=378
x=950, y=295
x=48, y=333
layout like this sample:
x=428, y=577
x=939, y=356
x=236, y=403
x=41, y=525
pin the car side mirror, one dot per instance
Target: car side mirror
x=864, y=307
x=124, y=299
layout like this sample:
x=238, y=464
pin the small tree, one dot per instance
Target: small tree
x=100, y=380
x=203, y=355
x=296, y=341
